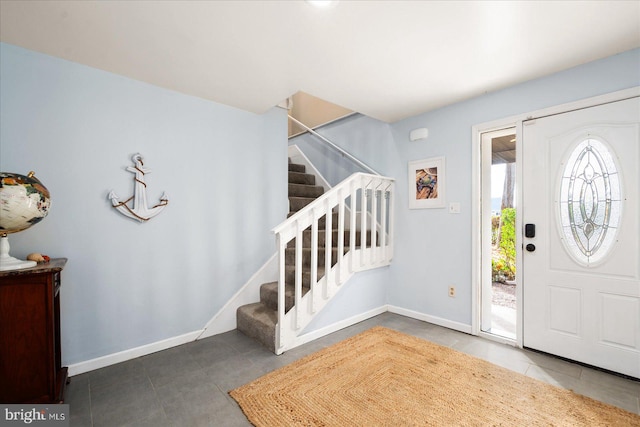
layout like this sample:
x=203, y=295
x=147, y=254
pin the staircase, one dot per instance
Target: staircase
x=354, y=211
x=259, y=320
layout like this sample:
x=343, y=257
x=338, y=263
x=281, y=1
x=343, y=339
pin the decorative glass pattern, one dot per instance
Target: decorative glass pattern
x=590, y=202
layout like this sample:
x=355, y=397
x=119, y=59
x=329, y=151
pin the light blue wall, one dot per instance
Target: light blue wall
x=433, y=247
x=371, y=139
x=364, y=292
x=128, y=284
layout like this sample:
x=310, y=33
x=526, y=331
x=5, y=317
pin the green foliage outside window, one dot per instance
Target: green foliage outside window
x=503, y=262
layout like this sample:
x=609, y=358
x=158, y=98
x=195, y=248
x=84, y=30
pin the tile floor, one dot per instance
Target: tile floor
x=187, y=385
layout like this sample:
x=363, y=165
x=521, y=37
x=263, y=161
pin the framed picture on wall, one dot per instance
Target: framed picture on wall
x=426, y=183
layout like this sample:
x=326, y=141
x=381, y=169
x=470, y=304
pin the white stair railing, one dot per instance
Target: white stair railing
x=363, y=204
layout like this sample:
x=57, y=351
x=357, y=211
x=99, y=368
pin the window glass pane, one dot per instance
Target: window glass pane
x=614, y=218
x=589, y=208
x=600, y=213
x=614, y=183
x=564, y=215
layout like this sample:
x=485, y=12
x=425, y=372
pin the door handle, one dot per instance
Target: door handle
x=530, y=247
x=530, y=230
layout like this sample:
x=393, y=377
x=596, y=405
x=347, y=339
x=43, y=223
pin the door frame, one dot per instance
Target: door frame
x=478, y=268
x=485, y=281
x=476, y=200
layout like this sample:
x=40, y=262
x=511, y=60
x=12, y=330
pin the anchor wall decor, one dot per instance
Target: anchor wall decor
x=140, y=211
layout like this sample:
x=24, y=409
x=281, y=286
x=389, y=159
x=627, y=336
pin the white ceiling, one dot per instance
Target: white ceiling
x=385, y=59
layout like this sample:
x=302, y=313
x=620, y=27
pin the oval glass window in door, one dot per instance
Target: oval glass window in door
x=590, y=201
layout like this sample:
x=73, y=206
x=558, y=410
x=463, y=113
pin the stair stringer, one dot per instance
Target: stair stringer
x=330, y=286
x=350, y=257
x=297, y=156
x=225, y=319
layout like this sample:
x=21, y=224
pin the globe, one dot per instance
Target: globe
x=24, y=201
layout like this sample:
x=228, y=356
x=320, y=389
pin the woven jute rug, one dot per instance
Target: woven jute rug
x=382, y=377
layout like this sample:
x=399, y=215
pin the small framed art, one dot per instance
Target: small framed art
x=426, y=183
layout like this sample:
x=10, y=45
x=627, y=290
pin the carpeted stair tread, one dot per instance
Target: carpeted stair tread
x=290, y=275
x=297, y=203
x=269, y=295
x=293, y=167
x=290, y=256
x=306, y=238
x=302, y=178
x=304, y=190
x=258, y=322
x=322, y=222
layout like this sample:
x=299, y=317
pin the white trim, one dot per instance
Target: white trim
x=123, y=356
x=476, y=235
x=476, y=249
x=319, y=333
x=519, y=227
x=499, y=128
x=457, y=326
x=225, y=319
x=583, y=103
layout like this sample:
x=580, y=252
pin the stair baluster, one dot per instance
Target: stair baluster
x=309, y=278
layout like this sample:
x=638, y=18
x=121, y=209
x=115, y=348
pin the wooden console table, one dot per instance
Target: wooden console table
x=30, y=364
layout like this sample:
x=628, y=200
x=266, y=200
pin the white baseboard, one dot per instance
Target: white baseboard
x=457, y=326
x=225, y=319
x=319, y=333
x=218, y=323
x=123, y=356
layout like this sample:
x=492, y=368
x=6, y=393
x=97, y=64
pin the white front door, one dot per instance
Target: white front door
x=581, y=263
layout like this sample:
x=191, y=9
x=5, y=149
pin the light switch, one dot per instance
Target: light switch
x=454, y=207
